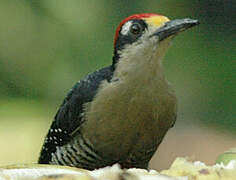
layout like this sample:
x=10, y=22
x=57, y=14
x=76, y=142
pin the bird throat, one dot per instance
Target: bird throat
x=142, y=62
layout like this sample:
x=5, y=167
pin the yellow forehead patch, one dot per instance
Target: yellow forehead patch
x=157, y=21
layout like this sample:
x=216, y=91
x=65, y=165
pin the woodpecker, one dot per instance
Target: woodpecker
x=120, y=113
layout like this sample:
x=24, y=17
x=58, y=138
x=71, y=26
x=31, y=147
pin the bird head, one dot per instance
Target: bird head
x=146, y=37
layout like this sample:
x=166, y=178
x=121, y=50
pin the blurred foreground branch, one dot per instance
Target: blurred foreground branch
x=181, y=169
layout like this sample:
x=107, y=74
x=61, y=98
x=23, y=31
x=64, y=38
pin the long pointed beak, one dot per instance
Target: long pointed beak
x=173, y=27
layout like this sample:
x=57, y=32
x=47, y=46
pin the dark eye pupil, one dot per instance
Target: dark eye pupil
x=135, y=29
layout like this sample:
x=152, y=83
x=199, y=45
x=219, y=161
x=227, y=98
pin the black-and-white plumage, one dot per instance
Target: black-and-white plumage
x=71, y=113
x=121, y=113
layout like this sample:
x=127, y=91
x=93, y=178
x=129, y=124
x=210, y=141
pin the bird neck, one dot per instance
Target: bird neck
x=141, y=62
x=144, y=70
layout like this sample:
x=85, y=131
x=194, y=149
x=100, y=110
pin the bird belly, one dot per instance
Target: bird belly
x=124, y=123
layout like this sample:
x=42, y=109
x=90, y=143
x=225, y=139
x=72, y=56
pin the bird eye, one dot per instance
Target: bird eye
x=136, y=29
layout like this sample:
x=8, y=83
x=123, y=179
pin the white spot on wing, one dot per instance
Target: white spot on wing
x=81, y=115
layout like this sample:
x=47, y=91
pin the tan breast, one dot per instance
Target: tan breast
x=122, y=115
x=136, y=110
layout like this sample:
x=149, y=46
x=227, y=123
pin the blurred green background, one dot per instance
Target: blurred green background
x=48, y=45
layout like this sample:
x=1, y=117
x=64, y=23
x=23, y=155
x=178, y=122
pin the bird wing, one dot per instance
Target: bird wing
x=70, y=114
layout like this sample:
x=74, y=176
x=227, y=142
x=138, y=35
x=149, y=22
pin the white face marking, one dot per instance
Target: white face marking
x=126, y=27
